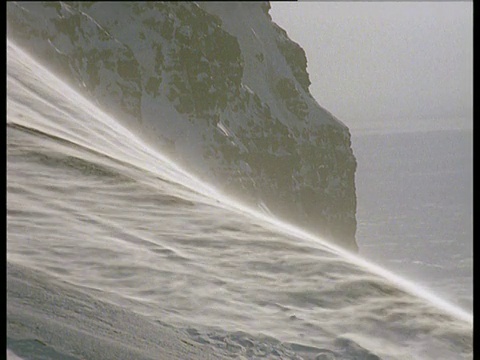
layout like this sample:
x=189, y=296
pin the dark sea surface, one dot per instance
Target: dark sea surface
x=114, y=252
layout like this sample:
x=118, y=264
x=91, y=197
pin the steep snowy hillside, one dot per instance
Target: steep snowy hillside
x=218, y=86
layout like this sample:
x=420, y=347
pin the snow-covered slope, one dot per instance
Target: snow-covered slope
x=218, y=86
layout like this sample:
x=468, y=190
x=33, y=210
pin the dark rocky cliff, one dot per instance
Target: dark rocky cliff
x=218, y=86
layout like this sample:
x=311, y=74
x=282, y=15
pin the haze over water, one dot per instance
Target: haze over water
x=418, y=218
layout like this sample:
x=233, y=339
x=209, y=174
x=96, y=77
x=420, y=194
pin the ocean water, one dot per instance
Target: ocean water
x=415, y=207
x=113, y=252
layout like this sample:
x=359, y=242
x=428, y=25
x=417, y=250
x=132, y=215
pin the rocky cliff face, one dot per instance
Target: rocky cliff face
x=218, y=86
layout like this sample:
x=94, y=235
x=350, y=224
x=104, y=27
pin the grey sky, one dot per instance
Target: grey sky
x=403, y=65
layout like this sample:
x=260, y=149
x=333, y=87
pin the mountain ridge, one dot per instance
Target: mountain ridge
x=219, y=87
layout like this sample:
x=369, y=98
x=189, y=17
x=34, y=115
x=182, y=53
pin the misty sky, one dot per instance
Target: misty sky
x=402, y=65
